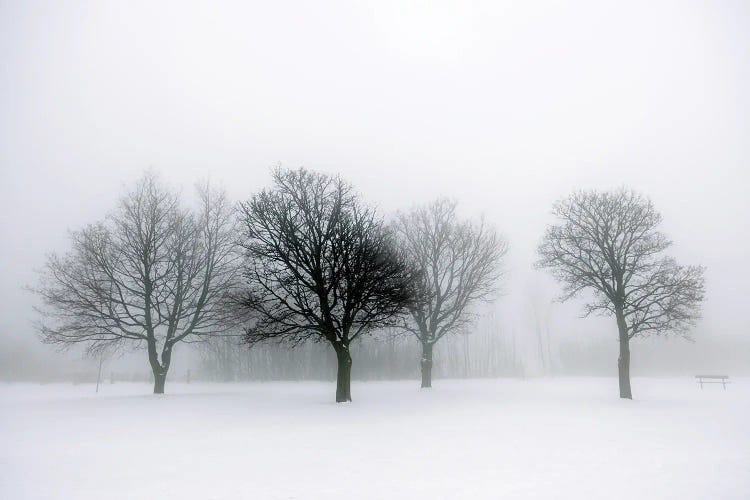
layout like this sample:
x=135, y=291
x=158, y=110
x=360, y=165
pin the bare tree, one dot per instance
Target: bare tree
x=151, y=273
x=608, y=243
x=539, y=309
x=320, y=266
x=459, y=264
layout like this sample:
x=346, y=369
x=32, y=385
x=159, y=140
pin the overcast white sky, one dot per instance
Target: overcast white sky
x=506, y=106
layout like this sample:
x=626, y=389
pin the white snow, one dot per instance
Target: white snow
x=541, y=438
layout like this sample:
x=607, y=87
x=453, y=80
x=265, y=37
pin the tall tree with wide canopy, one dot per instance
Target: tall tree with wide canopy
x=459, y=263
x=320, y=265
x=151, y=274
x=608, y=243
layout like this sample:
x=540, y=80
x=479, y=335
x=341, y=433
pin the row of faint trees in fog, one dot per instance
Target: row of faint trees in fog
x=484, y=353
x=308, y=262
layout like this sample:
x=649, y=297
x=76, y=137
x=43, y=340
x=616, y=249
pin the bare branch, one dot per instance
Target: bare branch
x=150, y=272
x=460, y=265
x=319, y=264
x=608, y=243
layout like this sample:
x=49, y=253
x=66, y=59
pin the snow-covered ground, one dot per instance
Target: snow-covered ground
x=543, y=438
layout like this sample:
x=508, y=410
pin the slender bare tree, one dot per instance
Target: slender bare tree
x=459, y=265
x=152, y=273
x=320, y=265
x=608, y=243
x=222, y=356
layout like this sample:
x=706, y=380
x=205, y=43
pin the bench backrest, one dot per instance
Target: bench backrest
x=712, y=376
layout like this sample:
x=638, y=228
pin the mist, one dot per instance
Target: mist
x=504, y=107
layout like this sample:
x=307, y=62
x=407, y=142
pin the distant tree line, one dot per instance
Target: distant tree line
x=487, y=352
x=307, y=264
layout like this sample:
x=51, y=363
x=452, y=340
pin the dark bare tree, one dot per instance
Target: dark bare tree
x=608, y=243
x=319, y=265
x=152, y=273
x=459, y=263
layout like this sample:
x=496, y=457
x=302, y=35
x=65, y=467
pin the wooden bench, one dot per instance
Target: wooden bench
x=713, y=379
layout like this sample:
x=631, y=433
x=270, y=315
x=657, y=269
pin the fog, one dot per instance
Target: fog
x=505, y=107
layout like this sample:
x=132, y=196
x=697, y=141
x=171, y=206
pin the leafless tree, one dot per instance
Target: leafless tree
x=539, y=309
x=319, y=265
x=459, y=262
x=608, y=243
x=151, y=273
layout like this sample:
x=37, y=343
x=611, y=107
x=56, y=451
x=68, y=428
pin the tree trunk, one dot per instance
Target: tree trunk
x=623, y=362
x=623, y=368
x=159, y=369
x=159, y=379
x=426, y=364
x=99, y=375
x=344, y=374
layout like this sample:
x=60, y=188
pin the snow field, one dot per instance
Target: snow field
x=540, y=438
